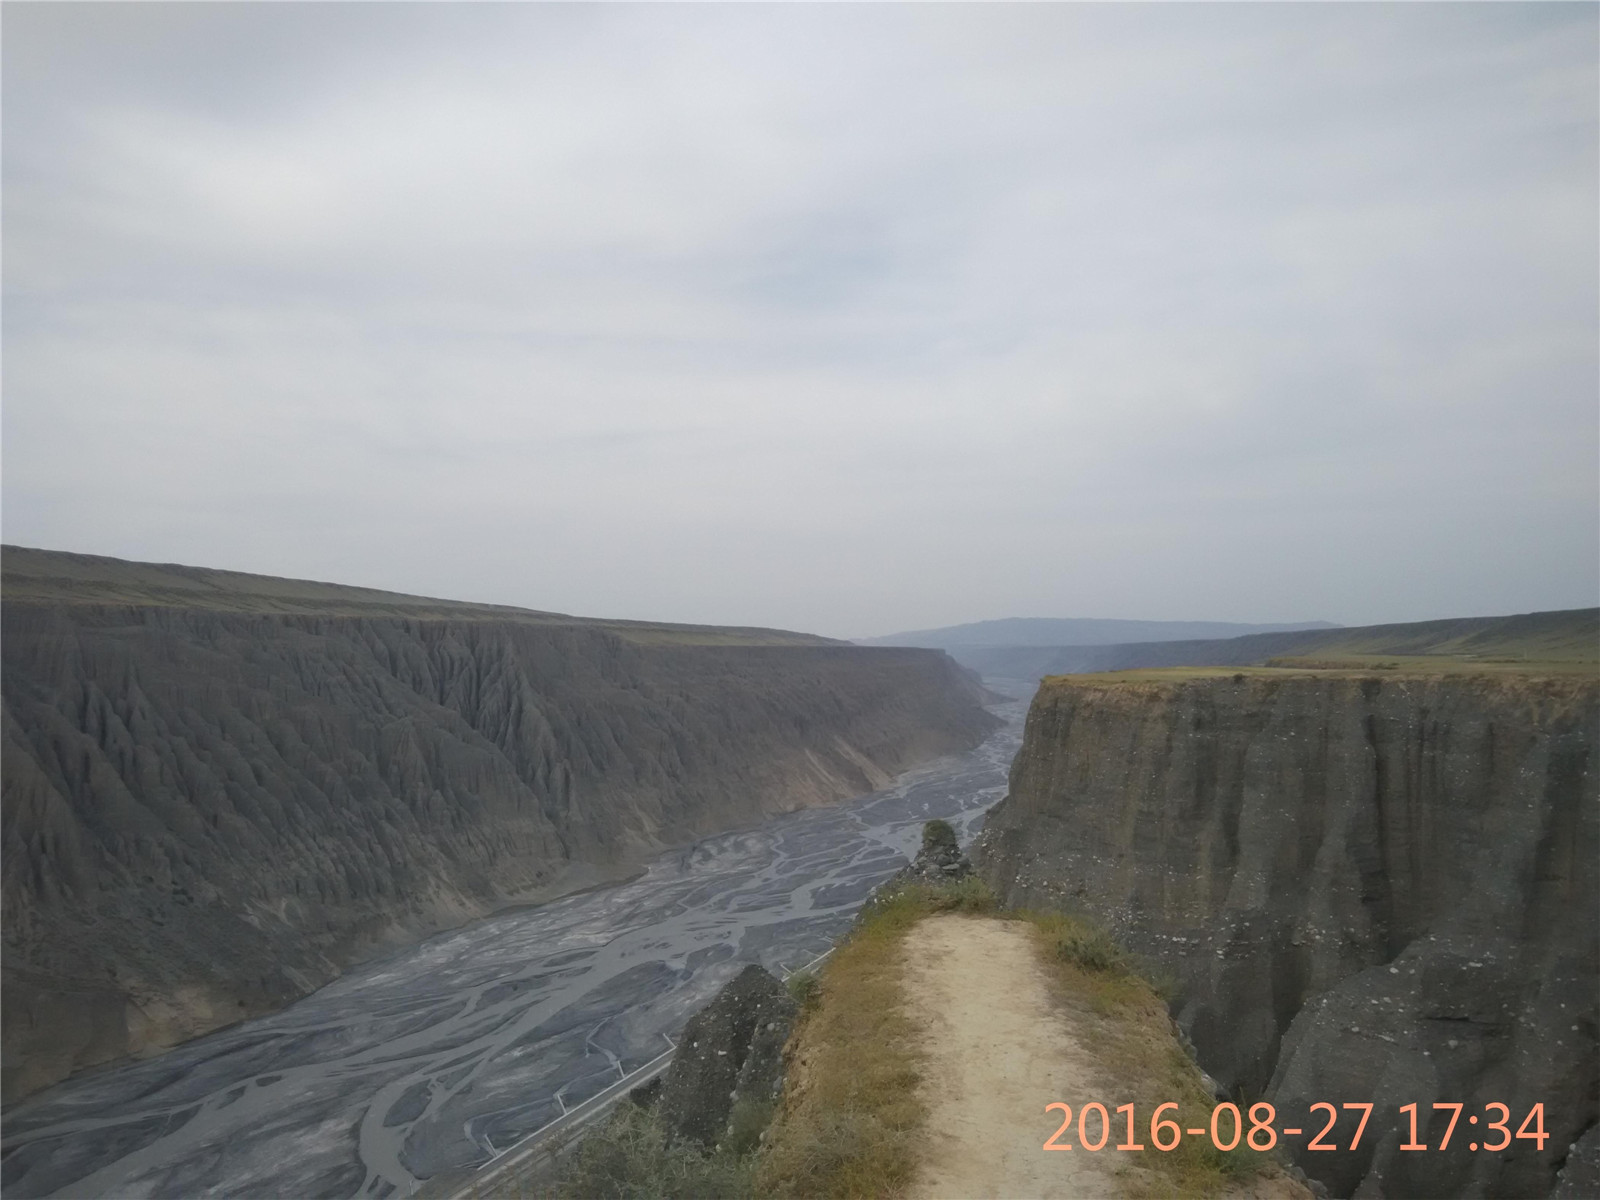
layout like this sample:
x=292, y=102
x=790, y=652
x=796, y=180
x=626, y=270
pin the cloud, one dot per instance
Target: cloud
x=843, y=318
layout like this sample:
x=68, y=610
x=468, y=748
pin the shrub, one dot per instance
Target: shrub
x=747, y=1121
x=844, y=1151
x=804, y=989
x=1082, y=945
x=939, y=835
x=968, y=895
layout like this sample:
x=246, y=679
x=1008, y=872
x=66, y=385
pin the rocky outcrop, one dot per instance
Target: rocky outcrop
x=1580, y=1176
x=730, y=1054
x=939, y=861
x=1366, y=889
x=215, y=797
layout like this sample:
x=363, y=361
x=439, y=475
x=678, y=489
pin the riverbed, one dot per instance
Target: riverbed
x=435, y=1058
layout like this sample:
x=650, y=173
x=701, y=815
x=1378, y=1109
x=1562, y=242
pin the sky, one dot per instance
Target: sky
x=844, y=318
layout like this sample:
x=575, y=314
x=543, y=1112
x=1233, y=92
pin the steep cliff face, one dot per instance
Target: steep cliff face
x=1366, y=889
x=208, y=813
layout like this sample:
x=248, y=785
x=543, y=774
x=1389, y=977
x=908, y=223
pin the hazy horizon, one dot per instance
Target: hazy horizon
x=1311, y=624
x=852, y=320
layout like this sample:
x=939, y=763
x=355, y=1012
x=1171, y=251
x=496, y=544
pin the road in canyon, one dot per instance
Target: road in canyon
x=435, y=1058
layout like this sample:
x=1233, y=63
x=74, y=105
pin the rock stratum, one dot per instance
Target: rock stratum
x=1366, y=888
x=221, y=789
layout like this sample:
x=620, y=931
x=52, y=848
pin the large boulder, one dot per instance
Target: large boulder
x=731, y=1055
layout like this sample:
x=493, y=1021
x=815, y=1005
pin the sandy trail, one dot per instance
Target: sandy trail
x=999, y=1051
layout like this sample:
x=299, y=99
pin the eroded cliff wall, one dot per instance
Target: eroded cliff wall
x=1366, y=889
x=208, y=813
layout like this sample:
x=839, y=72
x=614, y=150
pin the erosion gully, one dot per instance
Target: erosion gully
x=436, y=1058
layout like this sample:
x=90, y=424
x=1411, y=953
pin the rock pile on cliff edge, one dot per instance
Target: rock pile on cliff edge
x=939, y=862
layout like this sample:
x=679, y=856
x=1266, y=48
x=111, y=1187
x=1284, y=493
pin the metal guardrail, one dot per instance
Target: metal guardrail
x=508, y=1162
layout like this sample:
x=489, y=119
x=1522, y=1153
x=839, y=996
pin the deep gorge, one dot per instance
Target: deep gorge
x=210, y=812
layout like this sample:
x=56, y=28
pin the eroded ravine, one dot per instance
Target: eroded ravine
x=439, y=1056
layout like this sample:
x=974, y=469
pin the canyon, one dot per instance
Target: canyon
x=221, y=790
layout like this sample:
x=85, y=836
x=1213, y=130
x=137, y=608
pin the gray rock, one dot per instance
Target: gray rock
x=1381, y=889
x=730, y=1051
x=939, y=861
x=1579, y=1178
x=646, y=1094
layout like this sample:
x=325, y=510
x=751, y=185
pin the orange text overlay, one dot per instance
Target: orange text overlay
x=1328, y=1126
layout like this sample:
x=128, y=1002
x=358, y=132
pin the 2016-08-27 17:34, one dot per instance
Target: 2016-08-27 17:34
x=1262, y=1134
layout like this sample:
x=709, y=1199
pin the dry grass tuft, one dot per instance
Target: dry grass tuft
x=1125, y=1018
x=1069, y=940
x=850, y=1112
x=804, y=989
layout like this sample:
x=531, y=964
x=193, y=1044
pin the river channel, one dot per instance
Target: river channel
x=435, y=1058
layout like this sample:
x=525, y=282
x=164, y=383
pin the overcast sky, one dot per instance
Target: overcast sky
x=842, y=318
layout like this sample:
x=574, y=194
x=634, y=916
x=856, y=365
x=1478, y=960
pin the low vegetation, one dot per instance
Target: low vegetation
x=849, y=1122
x=850, y=1109
x=939, y=835
x=805, y=988
x=632, y=1158
x=1124, y=1015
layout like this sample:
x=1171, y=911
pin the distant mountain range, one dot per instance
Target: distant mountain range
x=1565, y=637
x=1078, y=631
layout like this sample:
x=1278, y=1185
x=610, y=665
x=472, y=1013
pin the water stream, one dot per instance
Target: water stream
x=436, y=1057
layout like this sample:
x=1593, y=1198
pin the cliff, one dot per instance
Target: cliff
x=1365, y=888
x=219, y=790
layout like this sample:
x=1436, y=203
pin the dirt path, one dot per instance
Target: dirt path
x=999, y=1051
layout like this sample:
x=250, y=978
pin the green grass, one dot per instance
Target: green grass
x=1354, y=667
x=1572, y=635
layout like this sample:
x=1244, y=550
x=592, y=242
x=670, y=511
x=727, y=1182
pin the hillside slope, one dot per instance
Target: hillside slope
x=1567, y=636
x=1075, y=631
x=210, y=809
x=57, y=577
x=1368, y=887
